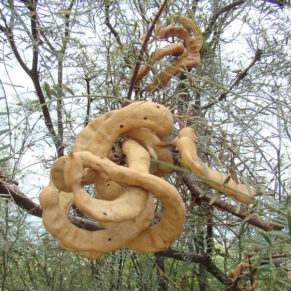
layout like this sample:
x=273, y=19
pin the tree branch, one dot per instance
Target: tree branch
x=242, y=213
x=10, y=37
x=12, y=192
x=161, y=278
x=201, y=259
x=61, y=54
x=240, y=77
x=35, y=36
x=114, y=32
x=280, y=3
x=219, y=12
x=47, y=118
x=34, y=75
x=143, y=48
x=108, y=24
x=89, y=100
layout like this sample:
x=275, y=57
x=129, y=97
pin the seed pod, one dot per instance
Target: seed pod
x=127, y=206
x=57, y=223
x=185, y=143
x=161, y=235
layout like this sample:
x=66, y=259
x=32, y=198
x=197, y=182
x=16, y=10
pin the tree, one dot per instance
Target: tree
x=74, y=61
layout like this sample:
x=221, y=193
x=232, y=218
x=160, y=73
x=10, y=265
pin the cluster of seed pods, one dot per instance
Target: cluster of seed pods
x=188, y=53
x=124, y=203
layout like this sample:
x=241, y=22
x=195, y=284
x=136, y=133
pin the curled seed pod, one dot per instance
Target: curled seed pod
x=127, y=206
x=147, y=138
x=161, y=235
x=97, y=139
x=185, y=143
x=189, y=53
x=237, y=272
x=56, y=221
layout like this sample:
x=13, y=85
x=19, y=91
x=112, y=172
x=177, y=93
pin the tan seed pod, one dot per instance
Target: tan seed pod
x=189, y=24
x=185, y=143
x=161, y=235
x=237, y=272
x=92, y=165
x=57, y=223
x=83, y=138
x=189, y=52
x=65, y=203
x=147, y=138
x=135, y=115
x=176, y=49
x=107, y=189
x=129, y=205
x=100, y=142
x=188, y=61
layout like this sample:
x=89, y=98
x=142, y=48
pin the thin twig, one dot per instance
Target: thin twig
x=108, y=24
x=218, y=13
x=240, y=77
x=143, y=48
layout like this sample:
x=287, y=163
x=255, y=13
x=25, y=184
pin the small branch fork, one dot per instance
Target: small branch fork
x=231, y=6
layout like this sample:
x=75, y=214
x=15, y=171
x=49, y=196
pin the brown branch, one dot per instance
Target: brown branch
x=108, y=24
x=183, y=256
x=34, y=75
x=243, y=74
x=143, y=48
x=35, y=36
x=218, y=13
x=87, y=80
x=10, y=37
x=242, y=213
x=60, y=104
x=240, y=77
x=209, y=233
x=280, y=3
x=141, y=11
x=12, y=192
x=20, y=199
x=47, y=118
x=43, y=34
x=201, y=259
x=161, y=278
